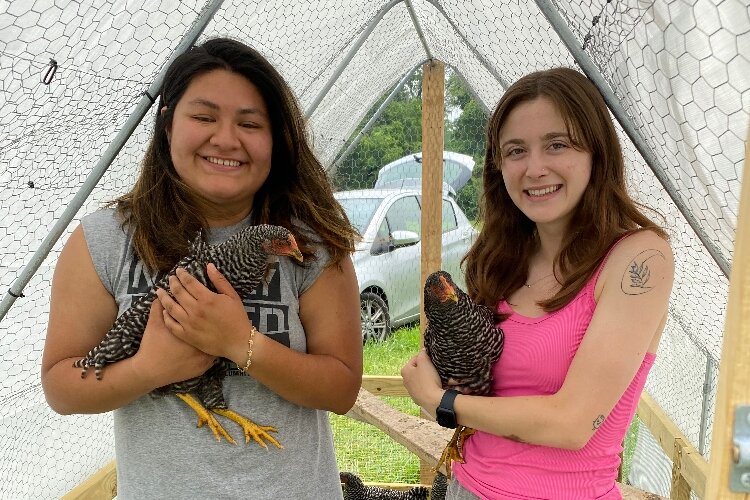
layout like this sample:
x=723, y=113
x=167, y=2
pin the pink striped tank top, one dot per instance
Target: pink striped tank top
x=535, y=360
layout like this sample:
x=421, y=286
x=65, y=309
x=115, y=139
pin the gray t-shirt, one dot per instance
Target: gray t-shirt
x=160, y=452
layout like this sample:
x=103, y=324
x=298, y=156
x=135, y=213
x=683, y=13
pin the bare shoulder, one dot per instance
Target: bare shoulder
x=640, y=264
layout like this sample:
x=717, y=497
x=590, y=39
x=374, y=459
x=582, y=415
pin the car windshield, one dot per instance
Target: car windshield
x=360, y=210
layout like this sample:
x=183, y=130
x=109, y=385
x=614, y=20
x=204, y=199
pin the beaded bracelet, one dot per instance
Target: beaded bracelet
x=253, y=331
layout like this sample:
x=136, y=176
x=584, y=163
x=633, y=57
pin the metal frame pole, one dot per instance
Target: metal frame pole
x=348, y=58
x=417, y=27
x=16, y=289
x=592, y=71
x=355, y=142
x=483, y=60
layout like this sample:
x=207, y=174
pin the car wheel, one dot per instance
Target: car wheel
x=376, y=322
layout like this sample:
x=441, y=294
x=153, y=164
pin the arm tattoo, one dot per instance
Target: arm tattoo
x=636, y=279
x=598, y=422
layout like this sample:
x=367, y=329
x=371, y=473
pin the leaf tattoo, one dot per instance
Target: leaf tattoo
x=598, y=422
x=637, y=277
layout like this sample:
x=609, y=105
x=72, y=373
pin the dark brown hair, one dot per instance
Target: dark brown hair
x=498, y=261
x=165, y=213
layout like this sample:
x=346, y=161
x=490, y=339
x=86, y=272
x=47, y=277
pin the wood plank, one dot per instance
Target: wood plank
x=692, y=466
x=424, y=438
x=734, y=371
x=100, y=486
x=680, y=489
x=383, y=385
x=631, y=493
x=397, y=486
x=433, y=106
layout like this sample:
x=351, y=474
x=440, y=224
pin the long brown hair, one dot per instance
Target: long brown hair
x=497, y=263
x=165, y=213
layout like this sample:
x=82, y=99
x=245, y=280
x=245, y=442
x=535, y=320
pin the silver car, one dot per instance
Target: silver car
x=387, y=260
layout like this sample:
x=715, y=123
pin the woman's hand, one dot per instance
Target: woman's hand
x=215, y=323
x=163, y=358
x=423, y=382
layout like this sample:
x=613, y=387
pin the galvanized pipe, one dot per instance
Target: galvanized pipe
x=109, y=155
x=592, y=71
x=348, y=58
x=417, y=27
x=355, y=142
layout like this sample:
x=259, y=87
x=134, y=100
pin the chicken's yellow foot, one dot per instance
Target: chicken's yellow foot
x=205, y=417
x=251, y=429
x=453, y=451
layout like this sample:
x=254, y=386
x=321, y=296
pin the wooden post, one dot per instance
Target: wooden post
x=101, y=486
x=734, y=371
x=433, y=105
x=680, y=488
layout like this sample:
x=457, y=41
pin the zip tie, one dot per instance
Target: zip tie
x=50, y=73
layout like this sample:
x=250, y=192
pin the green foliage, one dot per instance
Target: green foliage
x=364, y=449
x=398, y=133
x=387, y=357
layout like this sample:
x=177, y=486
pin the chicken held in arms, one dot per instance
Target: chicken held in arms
x=463, y=342
x=243, y=259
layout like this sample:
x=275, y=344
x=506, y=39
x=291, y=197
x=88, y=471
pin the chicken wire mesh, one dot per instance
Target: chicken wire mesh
x=73, y=72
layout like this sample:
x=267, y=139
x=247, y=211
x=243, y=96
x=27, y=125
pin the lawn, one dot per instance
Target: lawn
x=371, y=454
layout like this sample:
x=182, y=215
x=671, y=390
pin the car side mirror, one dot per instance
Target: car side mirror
x=404, y=238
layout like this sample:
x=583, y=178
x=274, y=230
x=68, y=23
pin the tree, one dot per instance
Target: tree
x=398, y=133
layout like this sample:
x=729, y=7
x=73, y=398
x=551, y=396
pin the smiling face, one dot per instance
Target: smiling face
x=543, y=172
x=221, y=141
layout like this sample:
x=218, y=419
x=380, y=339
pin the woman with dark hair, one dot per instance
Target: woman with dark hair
x=580, y=279
x=229, y=150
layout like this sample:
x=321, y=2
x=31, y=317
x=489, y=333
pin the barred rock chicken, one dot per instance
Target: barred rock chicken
x=355, y=489
x=463, y=343
x=439, y=487
x=243, y=260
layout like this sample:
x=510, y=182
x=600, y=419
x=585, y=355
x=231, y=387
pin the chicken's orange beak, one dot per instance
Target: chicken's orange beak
x=448, y=291
x=294, y=249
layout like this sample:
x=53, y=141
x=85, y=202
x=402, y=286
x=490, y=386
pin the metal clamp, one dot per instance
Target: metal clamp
x=740, y=474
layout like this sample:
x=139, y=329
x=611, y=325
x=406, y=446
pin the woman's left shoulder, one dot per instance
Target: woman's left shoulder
x=646, y=242
x=639, y=262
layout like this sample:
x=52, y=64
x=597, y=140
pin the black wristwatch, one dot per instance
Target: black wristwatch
x=445, y=414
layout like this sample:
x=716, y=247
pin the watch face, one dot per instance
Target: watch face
x=446, y=417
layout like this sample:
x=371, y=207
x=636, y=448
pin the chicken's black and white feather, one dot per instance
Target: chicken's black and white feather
x=242, y=259
x=461, y=338
x=355, y=489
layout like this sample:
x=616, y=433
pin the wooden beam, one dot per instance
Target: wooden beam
x=680, y=489
x=433, y=106
x=690, y=464
x=100, y=486
x=383, y=385
x=424, y=438
x=734, y=371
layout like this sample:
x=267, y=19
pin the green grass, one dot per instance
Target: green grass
x=364, y=449
x=370, y=453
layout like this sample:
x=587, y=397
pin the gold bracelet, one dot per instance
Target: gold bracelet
x=253, y=331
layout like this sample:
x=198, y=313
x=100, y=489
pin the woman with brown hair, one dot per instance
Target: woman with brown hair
x=580, y=279
x=229, y=150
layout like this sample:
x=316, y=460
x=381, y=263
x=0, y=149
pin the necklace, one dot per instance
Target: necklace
x=529, y=285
